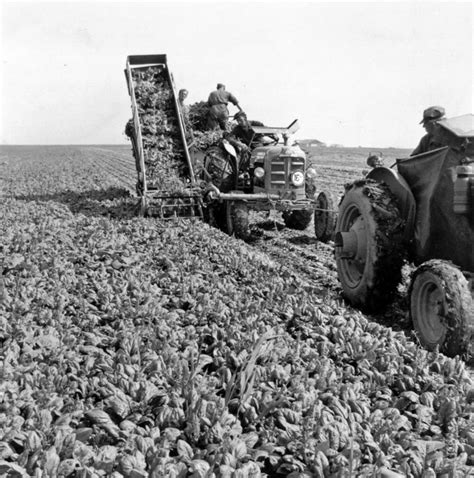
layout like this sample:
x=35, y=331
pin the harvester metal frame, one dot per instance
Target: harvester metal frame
x=200, y=195
x=151, y=198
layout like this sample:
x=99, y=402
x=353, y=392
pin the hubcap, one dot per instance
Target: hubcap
x=429, y=312
x=351, y=246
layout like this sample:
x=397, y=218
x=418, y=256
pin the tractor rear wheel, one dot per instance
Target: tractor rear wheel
x=220, y=167
x=237, y=219
x=297, y=219
x=325, y=216
x=368, y=243
x=441, y=307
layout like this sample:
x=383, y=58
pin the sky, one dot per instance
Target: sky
x=352, y=73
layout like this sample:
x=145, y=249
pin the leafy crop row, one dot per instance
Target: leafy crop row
x=163, y=149
x=136, y=347
x=162, y=143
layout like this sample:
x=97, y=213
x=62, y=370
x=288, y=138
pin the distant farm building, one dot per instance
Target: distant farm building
x=311, y=143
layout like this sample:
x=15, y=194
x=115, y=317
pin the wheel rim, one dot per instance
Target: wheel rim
x=430, y=307
x=351, y=246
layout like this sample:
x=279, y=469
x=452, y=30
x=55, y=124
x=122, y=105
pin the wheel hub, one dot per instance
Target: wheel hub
x=431, y=311
x=352, y=244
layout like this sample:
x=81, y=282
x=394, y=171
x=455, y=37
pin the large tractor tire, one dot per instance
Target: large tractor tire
x=325, y=217
x=237, y=219
x=220, y=166
x=471, y=184
x=368, y=243
x=442, y=309
x=297, y=219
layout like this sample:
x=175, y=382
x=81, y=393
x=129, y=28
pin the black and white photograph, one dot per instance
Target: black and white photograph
x=237, y=239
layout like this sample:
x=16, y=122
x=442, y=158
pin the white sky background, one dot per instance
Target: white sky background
x=352, y=73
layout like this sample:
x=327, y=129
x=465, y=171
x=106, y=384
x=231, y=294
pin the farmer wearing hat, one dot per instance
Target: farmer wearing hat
x=218, y=112
x=429, y=141
x=243, y=137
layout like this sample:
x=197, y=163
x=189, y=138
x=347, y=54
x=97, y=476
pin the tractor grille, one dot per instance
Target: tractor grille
x=281, y=169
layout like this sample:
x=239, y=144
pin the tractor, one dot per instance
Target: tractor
x=273, y=175
x=422, y=212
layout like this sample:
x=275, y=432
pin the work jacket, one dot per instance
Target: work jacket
x=218, y=101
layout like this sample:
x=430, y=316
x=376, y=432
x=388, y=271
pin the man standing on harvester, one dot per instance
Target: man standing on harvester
x=218, y=112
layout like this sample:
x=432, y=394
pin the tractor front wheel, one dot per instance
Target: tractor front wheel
x=368, y=243
x=325, y=216
x=297, y=219
x=237, y=219
x=441, y=308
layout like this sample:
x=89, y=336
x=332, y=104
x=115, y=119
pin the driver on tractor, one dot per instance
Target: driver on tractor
x=243, y=137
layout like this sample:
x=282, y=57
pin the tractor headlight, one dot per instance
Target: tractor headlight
x=311, y=173
x=297, y=178
x=259, y=173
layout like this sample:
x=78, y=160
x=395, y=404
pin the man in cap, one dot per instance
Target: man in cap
x=218, y=112
x=242, y=136
x=182, y=95
x=429, y=141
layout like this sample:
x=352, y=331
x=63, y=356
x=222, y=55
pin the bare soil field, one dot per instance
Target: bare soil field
x=141, y=347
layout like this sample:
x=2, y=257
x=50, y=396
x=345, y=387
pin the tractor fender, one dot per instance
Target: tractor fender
x=402, y=192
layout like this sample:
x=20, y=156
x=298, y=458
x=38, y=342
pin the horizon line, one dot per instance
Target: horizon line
x=323, y=145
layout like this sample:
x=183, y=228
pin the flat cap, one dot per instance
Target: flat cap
x=220, y=85
x=240, y=114
x=432, y=113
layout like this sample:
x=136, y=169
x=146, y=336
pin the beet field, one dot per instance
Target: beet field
x=135, y=347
